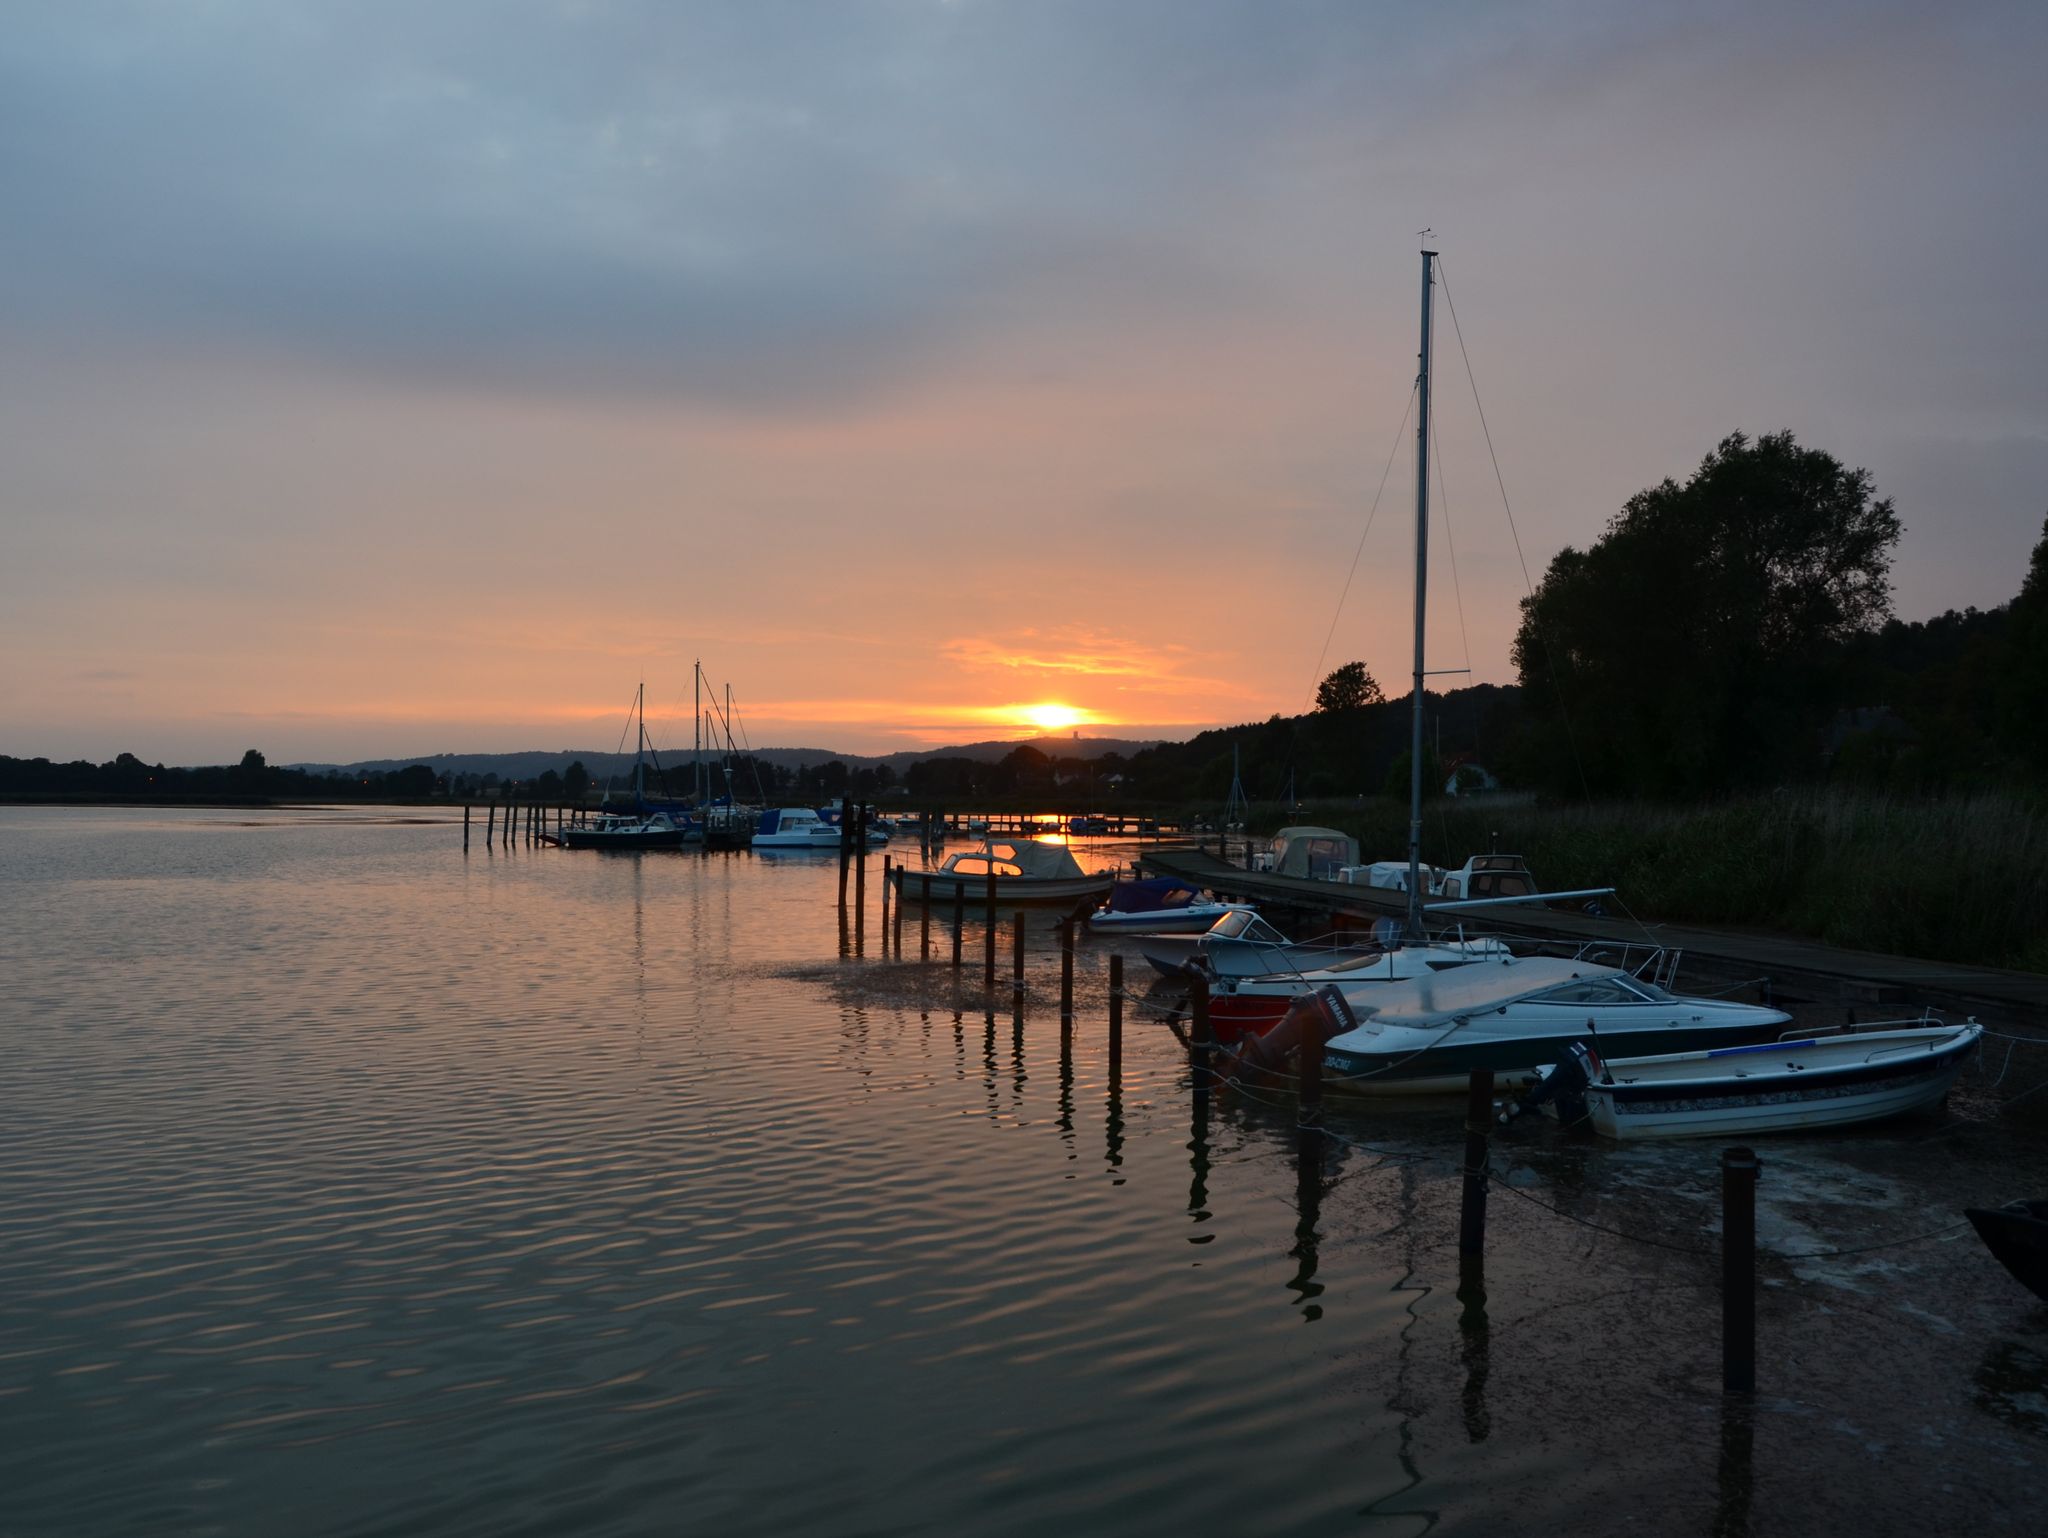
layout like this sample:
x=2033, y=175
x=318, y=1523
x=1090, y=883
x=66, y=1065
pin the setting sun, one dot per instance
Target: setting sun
x=1053, y=718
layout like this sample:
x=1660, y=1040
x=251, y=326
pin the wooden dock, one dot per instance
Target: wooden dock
x=1863, y=980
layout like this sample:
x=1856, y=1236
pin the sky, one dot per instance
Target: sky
x=381, y=379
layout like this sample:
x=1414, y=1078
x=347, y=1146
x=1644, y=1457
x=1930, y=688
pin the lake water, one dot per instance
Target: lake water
x=350, y=1183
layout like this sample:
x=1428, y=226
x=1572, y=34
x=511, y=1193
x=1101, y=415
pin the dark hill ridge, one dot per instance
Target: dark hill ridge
x=531, y=763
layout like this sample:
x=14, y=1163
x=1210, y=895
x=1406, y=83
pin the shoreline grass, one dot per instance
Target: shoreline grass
x=1961, y=879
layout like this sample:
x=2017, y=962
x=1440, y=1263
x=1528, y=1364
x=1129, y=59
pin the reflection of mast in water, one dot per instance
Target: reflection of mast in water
x=1309, y=1186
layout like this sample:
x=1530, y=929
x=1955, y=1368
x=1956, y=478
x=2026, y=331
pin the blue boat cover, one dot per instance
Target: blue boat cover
x=1151, y=896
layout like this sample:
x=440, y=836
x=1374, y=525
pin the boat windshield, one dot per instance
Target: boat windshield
x=1241, y=924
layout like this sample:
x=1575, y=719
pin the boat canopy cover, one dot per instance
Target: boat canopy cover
x=1018, y=857
x=1151, y=896
x=1477, y=989
x=1314, y=852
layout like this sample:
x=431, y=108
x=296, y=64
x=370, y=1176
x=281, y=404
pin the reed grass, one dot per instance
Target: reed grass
x=1961, y=879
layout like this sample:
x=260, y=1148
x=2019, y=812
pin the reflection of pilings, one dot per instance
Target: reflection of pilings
x=1017, y=1074
x=1113, y=1118
x=1478, y=1123
x=1735, y=1470
x=1308, y=1200
x=1017, y=959
x=1198, y=1164
x=1116, y=1016
x=1066, y=1118
x=1475, y=1334
x=988, y=1063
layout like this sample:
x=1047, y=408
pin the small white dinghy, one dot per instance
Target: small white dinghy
x=1778, y=1086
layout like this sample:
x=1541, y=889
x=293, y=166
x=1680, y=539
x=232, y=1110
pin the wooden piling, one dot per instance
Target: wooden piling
x=924, y=917
x=1739, y=1171
x=491, y=827
x=1201, y=1038
x=465, y=827
x=860, y=877
x=1309, y=1109
x=886, y=863
x=1116, y=1014
x=988, y=938
x=1066, y=973
x=845, y=844
x=1478, y=1124
x=903, y=891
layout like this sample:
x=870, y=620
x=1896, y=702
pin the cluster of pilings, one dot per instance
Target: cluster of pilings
x=530, y=822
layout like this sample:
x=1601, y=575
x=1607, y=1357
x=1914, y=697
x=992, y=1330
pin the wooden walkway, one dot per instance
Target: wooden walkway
x=1855, y=978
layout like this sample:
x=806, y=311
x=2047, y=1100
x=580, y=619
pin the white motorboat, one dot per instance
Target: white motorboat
x=1239, y=1004
x=794, y=827
x=1777, y=1086
x=1163, y=905
x=1242, y=944
x=1024, y=871
x=1516, y=1017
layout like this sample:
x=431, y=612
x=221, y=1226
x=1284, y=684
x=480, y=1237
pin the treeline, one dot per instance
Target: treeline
x=128, y=778
x=1727, y=635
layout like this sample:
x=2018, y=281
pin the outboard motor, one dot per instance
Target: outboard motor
x=1565, y=1085
x=1326, y=1012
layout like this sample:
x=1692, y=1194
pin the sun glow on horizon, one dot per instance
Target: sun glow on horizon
x=1050, y=717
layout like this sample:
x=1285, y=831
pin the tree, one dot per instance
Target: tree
x=576, y=781
x=1350, y=687
x=1695, y=645
x=2023, y=714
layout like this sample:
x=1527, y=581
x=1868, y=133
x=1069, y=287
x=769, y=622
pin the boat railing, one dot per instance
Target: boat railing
x=1653, y=964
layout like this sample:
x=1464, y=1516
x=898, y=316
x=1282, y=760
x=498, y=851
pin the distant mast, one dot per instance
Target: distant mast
x=1421, y=599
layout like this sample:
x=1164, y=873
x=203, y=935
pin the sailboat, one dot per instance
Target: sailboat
x=645, y=827
x=1432, y=1011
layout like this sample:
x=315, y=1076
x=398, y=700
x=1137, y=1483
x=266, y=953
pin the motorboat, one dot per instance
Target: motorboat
x=1515, y=1017
x=654, y=830
x=1024, y=871
x=1241, y=944
x=2017, y=1234
x=1087, y=824
x=802, y=827
x=1163, y=905
x=1776, y=1086
x=1312, y=853
x=1239, y=1004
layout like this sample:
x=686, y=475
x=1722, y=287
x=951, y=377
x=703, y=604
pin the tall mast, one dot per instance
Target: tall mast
x=1421, y=599
x=640, y=748
x=697, y=746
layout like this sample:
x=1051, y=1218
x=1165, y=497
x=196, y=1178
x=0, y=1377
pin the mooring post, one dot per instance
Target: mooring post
x=924, y=917
x=1201, y=1038
x=860, y=878
x=902, y=891
x=959, y=916
x=465, y=827
x=885, y=905
x=1309, y=1112
x=1739, y=1171
x=1066, y=973
x=491, y=827
x=1478, y=1123
x=988, y=937
x=1116, y=1014
x=845, y=844
x=1017, y=957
